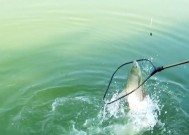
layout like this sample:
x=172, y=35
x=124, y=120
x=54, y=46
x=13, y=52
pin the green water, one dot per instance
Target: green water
x=58, y=56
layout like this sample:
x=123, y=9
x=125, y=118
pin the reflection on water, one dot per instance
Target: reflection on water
x=57, y=57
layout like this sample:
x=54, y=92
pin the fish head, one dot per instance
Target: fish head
x=135, y=70
x=134, y=77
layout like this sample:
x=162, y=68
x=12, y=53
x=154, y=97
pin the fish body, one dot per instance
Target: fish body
x=133, y=81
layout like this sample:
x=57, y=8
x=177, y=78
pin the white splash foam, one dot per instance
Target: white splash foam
x=77, y=132
x=145, y=118
x=112, y=108
x=57, y=102
x=140, y=120
x=84, y=99
x=61, y=101
x=115, y=109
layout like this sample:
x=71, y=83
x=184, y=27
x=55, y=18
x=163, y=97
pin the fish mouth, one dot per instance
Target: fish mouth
x=136, y=69
x=135, y=64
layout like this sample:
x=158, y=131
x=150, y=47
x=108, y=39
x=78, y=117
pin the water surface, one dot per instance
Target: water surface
x=58, y=56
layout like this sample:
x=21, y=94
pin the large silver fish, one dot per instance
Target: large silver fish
x=133, y=81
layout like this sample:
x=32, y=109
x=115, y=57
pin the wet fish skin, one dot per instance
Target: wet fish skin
x=133, y=81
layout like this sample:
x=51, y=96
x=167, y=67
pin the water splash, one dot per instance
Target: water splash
x=136, y=121
x=61, y=101
x=115, y=109
x=77, y=131
x=113, y=119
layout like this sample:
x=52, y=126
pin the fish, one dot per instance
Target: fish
x=133, y=81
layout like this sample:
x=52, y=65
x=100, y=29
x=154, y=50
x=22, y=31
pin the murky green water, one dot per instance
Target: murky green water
x=57, y=58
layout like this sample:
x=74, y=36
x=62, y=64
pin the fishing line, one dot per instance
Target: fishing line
x=150, y=27
x=155, y=70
